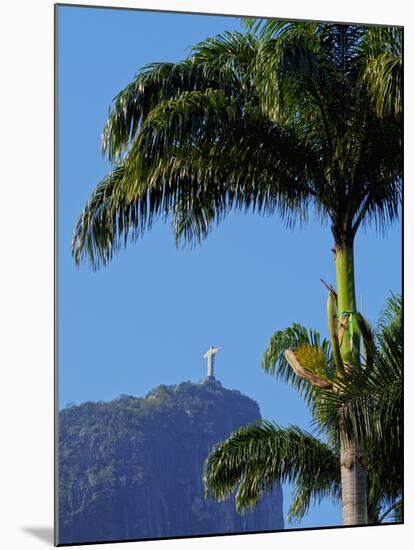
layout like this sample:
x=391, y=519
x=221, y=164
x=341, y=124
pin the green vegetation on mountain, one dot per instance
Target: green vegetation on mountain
x=132, y=468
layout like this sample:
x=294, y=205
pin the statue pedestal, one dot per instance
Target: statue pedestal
x=212, y=381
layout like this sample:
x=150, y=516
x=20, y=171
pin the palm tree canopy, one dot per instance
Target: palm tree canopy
x=273, y=120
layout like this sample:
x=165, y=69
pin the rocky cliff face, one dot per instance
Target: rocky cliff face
x=131, y=468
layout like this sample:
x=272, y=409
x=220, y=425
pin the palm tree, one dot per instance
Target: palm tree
x=281, y=120
x=369, y=405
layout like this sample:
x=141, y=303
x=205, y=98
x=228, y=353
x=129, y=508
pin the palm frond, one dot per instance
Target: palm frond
x=391, y=317
x=383, y=73
x=393, y=512
x=307, y=494
x=103, y=217
x=255, y=457
x=221, y=62
x=154, y=83
x=266, y=29
x=274, y=361
x=195, y=159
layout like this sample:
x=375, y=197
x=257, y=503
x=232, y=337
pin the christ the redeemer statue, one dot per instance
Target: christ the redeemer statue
x=209, y=355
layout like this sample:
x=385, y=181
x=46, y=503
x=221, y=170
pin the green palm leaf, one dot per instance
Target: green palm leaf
x=296, y=336
x=253, y=458
x=175, y=171
x=222, y=62
x=383, y=74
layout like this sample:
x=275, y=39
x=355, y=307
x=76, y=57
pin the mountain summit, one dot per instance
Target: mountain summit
x=132, y=468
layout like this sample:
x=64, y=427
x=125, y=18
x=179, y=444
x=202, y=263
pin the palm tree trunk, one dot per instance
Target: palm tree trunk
x=353, y=471
x=353, y=483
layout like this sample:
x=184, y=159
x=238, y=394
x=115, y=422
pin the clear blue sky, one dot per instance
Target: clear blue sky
x=147, y=318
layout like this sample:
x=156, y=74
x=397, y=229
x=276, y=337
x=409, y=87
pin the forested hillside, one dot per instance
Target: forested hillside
x=131, y=468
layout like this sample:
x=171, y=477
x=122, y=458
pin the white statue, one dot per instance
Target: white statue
x=209, y=355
